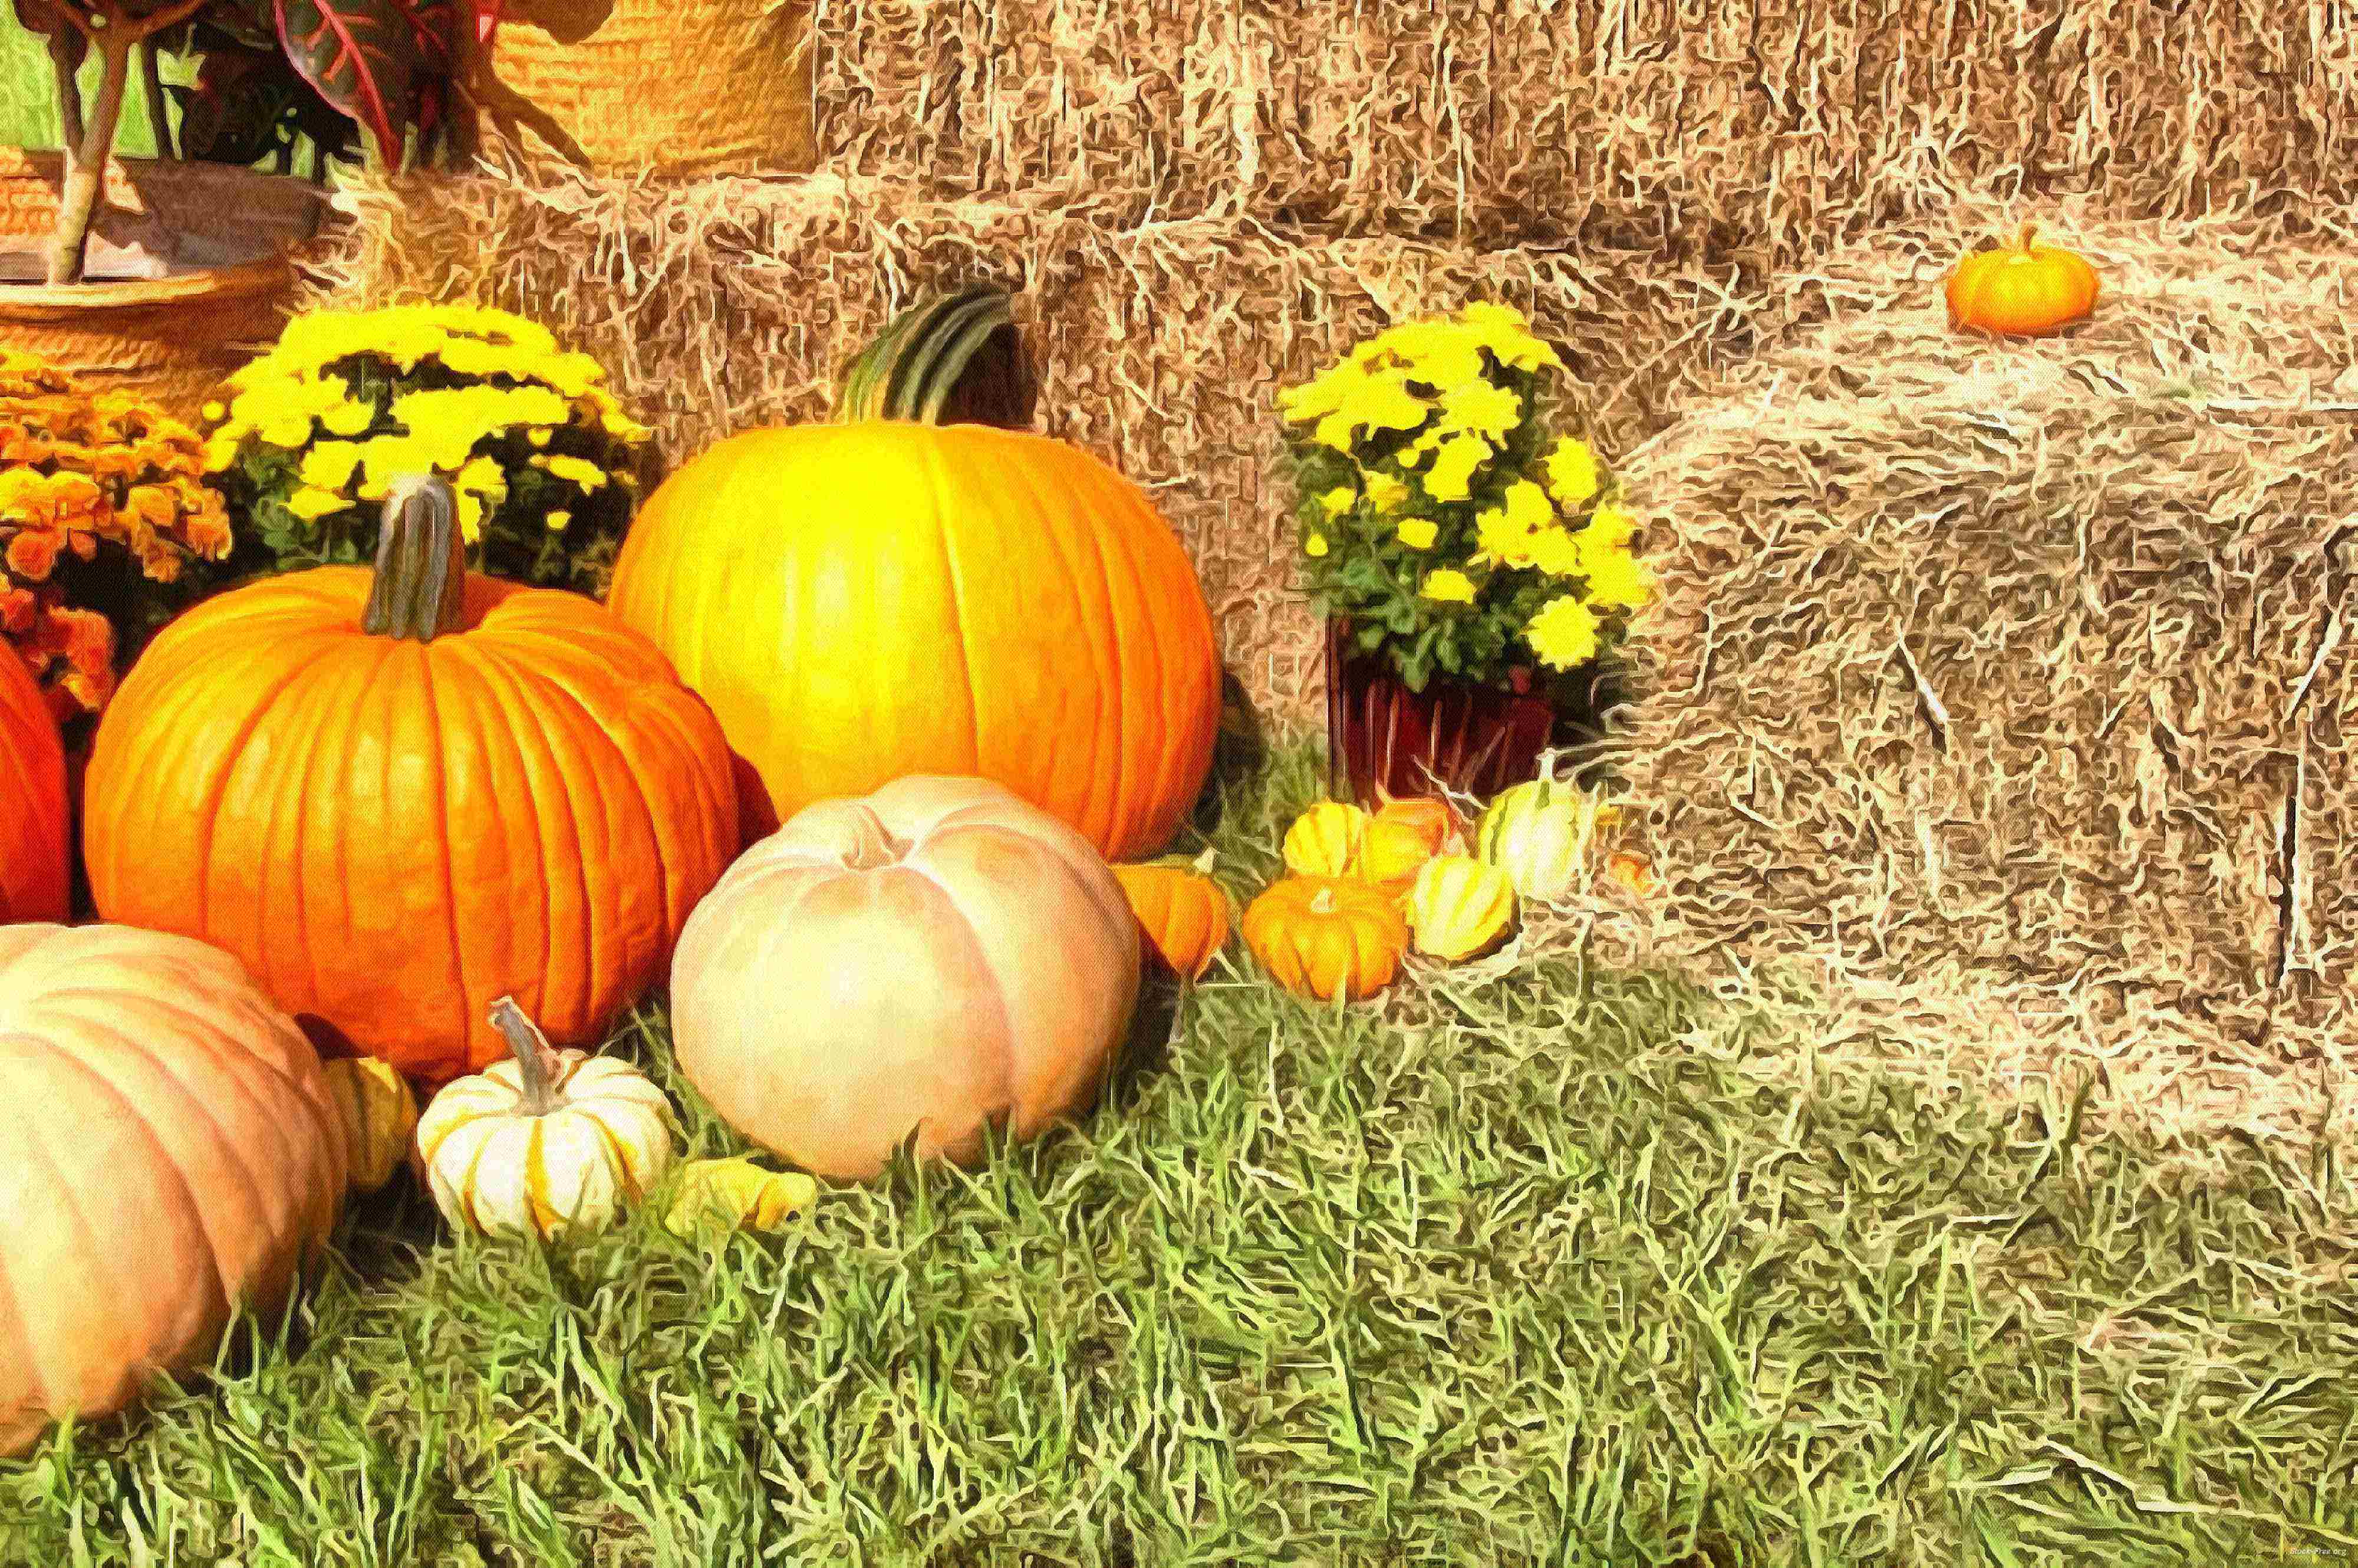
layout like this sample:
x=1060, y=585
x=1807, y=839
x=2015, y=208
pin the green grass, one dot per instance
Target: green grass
x=28, y=111
x=1530, y=1270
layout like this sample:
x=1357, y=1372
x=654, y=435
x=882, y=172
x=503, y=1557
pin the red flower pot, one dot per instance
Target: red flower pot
x=1382, y=739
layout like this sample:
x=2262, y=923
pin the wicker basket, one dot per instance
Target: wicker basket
x=650, y=86
x=226, y=233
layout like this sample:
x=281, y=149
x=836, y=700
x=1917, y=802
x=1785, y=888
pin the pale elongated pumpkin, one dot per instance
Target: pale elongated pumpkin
x=398, y=795
x=931, y=958
x=547, y=1142
x=33, y=875
x=888, y=596
x=167, y=1147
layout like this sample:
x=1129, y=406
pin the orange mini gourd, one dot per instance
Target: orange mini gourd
x=2022, y=289
x=33, y=865
x=1183, y=913
x=398, y=795
x=1328, y=937
x=892, y=594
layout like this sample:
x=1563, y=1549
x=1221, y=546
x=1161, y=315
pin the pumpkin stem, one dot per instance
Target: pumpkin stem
x=877, y=848
x=420, y=590
x=954, y=360
x=2022, y=240
x=1204, y=862
x=537, y=1061
x=1323, y=901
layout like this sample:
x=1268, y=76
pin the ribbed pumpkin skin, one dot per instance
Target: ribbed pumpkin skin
x=390, y=833
x=1183, y=916
x=861, y=603
x=34, y=858
x=167, y=1144
x=934, y=956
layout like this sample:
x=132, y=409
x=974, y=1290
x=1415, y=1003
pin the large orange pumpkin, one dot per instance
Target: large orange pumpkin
x=400, y=794
x=888, y=596
x=935, y=957
x=34, y=858
x=168, y=1147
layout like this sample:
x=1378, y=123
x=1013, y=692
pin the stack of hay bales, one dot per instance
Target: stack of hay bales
x=1202, y=203
x=2010, y=689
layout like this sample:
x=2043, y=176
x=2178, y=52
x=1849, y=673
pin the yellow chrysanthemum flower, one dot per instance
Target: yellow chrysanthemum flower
x=1505, y=332
x=1339, y=500
x=1555, y=552
x=329, y=464
x=1315, y=546
x=558, y=522
x=1418, y=533
x=1481, y=409
x=1448, y=586
x=1323, y=394
x=577, y=471
x=1564, y=633
x=1454, y=463
x=1438, y=351
x=1616, y=579
x=215, y=412
x=1571, y=472
x=220, y=453
x=1527, y=506
x=311, y=503
x=1610, y=526
x=1382, y=401
x=1385, y=493
x=1499, y=537
x=482, y=476
x=471, y=516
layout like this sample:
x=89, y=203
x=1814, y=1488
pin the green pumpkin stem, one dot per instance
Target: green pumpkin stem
x=956, y=360
x=537, y=1061
x=420, y=590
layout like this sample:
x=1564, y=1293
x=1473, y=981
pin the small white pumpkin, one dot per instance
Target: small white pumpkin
x=545, y=1141
x=1538, y=834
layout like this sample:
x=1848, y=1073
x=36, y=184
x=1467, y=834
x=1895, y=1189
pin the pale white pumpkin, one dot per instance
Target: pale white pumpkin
x=544, y=1141
x=932, y=960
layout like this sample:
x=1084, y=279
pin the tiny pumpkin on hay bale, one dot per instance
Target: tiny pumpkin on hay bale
x=896, y=594
x=1325, y=937
x=1183, y=915
x=168, y=1148
x=1324, y=841
x=35, y=863
x=547, y=1142
x=937, y=956
x=379, y=1116
x=1460, y=907
x=399, y=794
x=2022, y=289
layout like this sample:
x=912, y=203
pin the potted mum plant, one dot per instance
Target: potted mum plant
x=153, y=275
x=1474, y=567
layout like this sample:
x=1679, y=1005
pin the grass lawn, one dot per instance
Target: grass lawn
x=28, y=112
x=1522, y=1269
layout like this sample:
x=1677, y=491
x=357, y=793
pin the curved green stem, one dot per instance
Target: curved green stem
x=956, y=360
x=420, y=590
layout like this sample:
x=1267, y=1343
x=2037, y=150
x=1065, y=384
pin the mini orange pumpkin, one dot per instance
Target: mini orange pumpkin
x=1328, y=937
x=33, y=853
x=1181, y=913
x=1432, y=818
x=2022, y=290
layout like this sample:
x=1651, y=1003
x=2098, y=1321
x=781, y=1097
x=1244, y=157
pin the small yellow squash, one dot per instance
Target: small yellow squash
x=545, y=1141
x=380, y=1114
x=720, y=1196
x=1459, y=907
x=1325, y=840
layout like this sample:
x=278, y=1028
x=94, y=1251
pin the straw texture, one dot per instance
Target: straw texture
x=2006, y=689
x=723, y=304
x=1674, y=126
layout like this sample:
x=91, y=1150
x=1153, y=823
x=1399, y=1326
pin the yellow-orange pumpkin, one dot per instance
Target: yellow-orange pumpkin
x=868, y=599
x=2022, y=289
x=34, y=874
x=933, y=959
x=1328, y=937
x=1183, y=913
x=168, y=1147
x=399, y=794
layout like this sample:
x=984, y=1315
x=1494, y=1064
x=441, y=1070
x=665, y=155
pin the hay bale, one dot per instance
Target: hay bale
x=2009, y=688
x=1682, y=127
x=724, y=304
